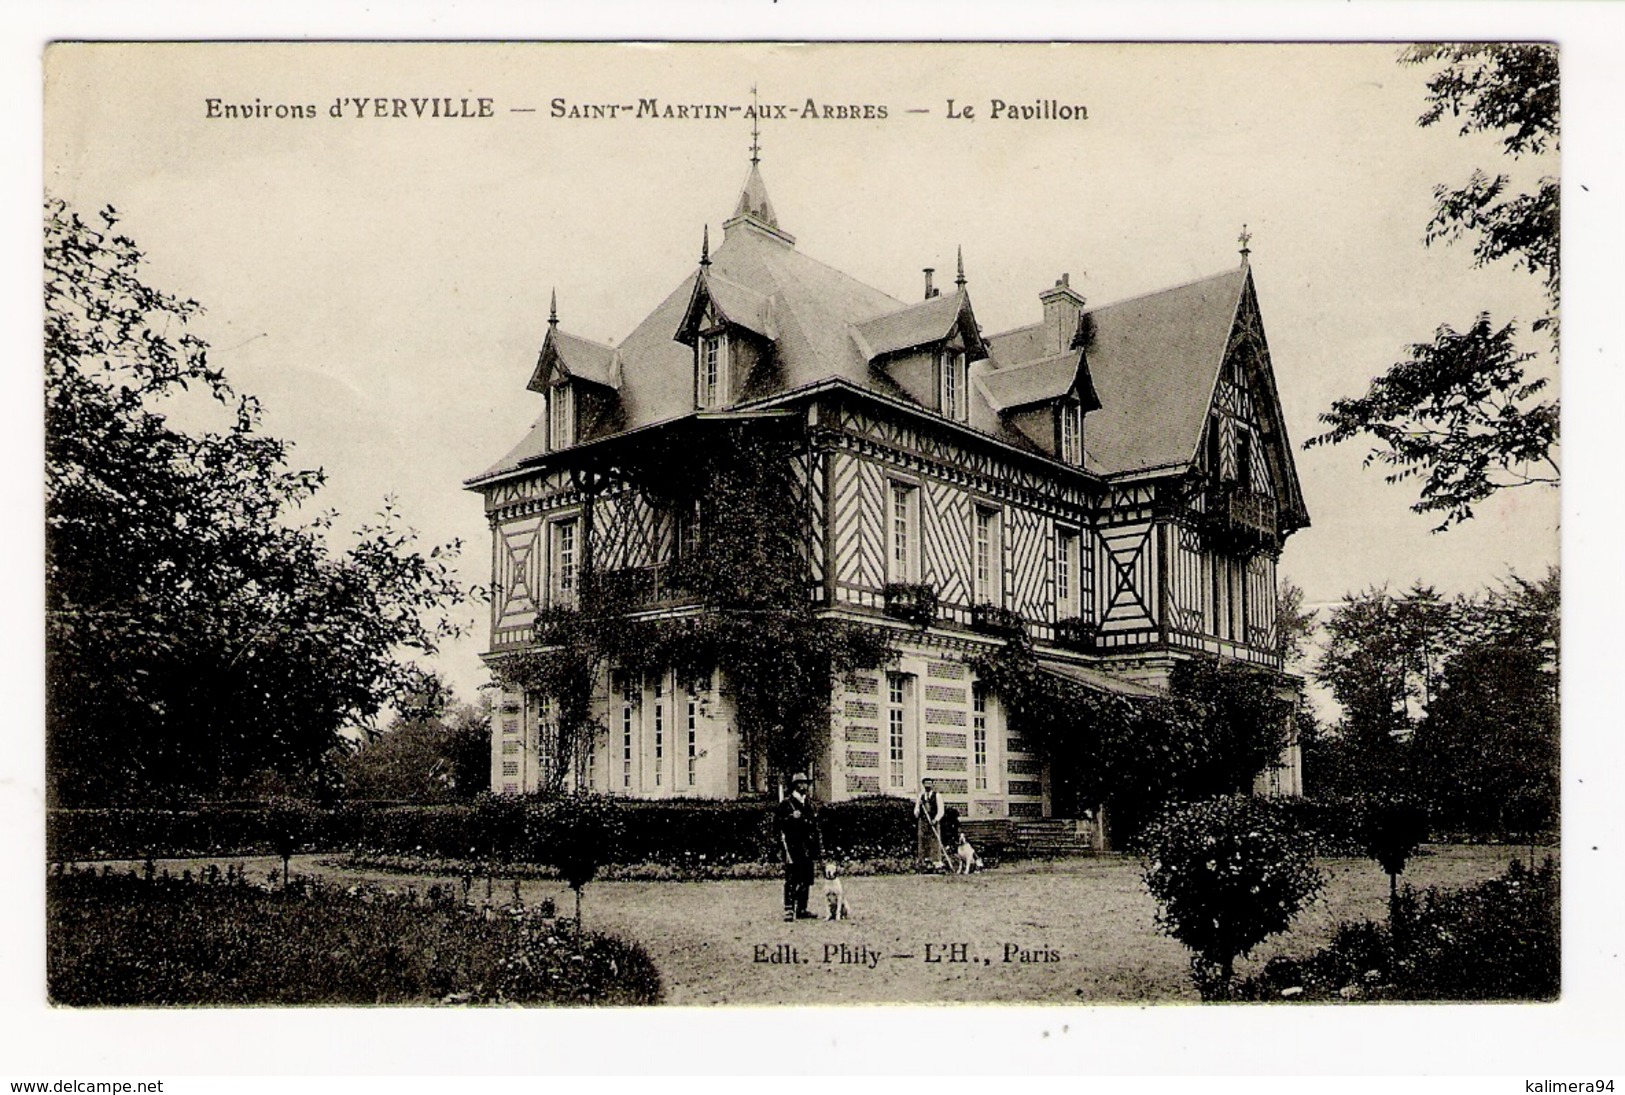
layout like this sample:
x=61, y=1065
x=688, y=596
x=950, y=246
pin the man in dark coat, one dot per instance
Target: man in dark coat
x=799, y=842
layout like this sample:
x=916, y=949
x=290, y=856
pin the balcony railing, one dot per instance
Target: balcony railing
x=1241, y=518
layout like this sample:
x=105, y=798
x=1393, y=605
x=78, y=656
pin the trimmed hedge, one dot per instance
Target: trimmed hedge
x=676, y=833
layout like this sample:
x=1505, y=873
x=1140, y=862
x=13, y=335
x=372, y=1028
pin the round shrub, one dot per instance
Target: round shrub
x=1226, y=873
x=1392, y=828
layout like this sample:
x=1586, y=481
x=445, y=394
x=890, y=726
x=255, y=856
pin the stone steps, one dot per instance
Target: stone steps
x=1028, y=838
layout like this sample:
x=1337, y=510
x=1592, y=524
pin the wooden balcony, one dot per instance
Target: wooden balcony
x=1244, y=520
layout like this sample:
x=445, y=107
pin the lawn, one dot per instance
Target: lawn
x=1076, y=931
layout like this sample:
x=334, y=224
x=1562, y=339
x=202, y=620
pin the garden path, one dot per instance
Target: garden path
x=1085, y=928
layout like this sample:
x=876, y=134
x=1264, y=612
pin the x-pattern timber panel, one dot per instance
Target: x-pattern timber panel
x=1127, y=578
x=518, y=572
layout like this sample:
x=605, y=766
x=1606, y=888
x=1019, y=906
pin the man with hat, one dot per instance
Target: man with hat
x=797, y=824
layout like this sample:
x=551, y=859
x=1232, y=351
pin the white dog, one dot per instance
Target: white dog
x=834, y=892
x=966, y=856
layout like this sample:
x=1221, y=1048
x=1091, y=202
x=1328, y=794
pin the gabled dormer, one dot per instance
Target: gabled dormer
x=1045, y=401
x=732, y=329
x=1045, y=395
x=580, y=380
x=926, y=349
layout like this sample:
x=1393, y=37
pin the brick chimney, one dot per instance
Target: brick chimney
x=1062, y=307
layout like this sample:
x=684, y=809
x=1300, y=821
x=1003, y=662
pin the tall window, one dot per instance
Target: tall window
x=978, y=732
x=626, y=745
x=744, y=772
x=1067, y=599
x=1215, y=445
x=903, y=557
x=565, y=560
x=660, y=730
x=895, y=726
x=713, y=371
x=1071, y=430
x=561, y=419
x=1244, y=460
x=989, y=557
x=693, y=738
x=955, y=399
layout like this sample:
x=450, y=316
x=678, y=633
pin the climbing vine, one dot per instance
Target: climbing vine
x=756, y=619
x=1215, y=729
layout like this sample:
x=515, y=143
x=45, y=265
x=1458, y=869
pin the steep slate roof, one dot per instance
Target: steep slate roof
x=814, y=308
x=1154, y=360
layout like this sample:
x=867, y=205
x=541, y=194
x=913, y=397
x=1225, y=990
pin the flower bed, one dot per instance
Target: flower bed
x=697, y=869
x=223, y=939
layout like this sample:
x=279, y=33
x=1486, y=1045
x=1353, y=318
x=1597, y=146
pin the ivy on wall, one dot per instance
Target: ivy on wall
x=1219, y=725
x=756, y=619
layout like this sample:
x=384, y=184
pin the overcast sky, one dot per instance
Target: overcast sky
x=381, y=284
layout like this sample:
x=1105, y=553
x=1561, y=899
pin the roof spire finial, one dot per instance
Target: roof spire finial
x=755, y=130
x=960, y=280
x=705, y=246
x=553, y=310
x=1244, y=239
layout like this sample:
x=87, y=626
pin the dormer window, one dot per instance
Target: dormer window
x=1070, y=430
x=955, y=401
x=561, y=417
x=711, y=387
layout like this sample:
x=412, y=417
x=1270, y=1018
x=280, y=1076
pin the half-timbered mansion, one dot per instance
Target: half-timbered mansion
x=1115, y=479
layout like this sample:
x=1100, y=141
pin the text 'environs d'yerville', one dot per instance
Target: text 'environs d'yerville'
x=561, y=108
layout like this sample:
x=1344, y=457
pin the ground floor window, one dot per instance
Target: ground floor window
x=693, y=739
x=895, y=725
x=979, y=737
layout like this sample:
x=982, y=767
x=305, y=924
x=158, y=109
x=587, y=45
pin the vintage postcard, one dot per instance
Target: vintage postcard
x=772, y=524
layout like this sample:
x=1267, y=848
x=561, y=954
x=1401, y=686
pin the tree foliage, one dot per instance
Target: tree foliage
x=196, y=633
x=1227, y=873
x=1460, y=414
x=434, y=750
x=1453, y=700
x=1294, y=624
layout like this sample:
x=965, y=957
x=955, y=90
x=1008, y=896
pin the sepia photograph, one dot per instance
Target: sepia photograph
x=740, y=524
